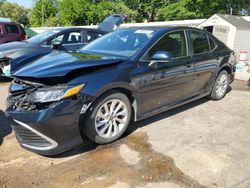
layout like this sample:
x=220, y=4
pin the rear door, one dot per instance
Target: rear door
x=206, y=60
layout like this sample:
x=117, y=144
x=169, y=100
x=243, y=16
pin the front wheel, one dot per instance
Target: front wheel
x=108, y=119
x=220, y=86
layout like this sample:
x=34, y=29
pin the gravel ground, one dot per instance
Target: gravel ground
x=201, y=144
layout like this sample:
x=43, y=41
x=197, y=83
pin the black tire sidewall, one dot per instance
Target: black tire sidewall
x=89, y=123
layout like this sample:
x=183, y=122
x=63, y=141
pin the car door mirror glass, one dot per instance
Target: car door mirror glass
x=162, y=56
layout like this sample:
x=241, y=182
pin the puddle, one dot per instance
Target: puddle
x=101, y=167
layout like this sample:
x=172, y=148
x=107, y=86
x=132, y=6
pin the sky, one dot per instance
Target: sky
x=25, y=3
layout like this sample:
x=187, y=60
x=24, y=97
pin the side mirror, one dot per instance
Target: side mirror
x=160, y=57
x=56, y=45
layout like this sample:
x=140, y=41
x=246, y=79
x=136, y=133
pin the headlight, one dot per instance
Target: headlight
x=6, y=70
x=55, y=93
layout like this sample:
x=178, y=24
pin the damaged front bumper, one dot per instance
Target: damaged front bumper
x=51, y=130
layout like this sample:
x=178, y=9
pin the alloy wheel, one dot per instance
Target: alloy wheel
x=221, y=85
x=111, y=118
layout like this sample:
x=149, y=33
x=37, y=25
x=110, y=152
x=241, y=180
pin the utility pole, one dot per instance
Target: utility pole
x=42, y=12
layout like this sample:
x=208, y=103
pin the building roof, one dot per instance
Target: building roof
x=237, y=21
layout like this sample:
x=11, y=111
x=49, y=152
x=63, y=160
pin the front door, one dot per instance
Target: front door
x=170, y=82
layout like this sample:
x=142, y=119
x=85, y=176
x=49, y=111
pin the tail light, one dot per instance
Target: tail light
x=23, y=37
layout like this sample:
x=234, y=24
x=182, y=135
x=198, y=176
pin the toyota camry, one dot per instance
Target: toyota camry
x=124, y=76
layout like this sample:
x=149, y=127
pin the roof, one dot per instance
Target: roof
x=237, y=21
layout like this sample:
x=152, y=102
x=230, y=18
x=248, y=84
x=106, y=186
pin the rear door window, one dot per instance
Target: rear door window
x=74, y=38
x=200, y=42
x=212, y=44
x=13, y=29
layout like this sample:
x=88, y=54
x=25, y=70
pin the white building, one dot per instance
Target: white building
x=234, y=31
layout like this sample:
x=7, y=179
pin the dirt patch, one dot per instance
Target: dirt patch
x=101, y=167
x=240, y=85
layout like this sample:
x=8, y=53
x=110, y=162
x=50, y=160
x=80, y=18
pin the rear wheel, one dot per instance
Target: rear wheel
x=220, y=86
x=108, y=119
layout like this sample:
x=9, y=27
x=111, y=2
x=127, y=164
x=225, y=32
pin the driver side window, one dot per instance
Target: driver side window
x=56, y=39
x=174, y=42
x=73, y=37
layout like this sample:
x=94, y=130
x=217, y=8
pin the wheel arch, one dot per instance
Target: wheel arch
x=121, y=88
x=126, y=91
x=227, y=68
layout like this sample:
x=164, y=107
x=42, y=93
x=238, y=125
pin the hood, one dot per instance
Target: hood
x=12, y=46
x=60, y=64
x=112, y=22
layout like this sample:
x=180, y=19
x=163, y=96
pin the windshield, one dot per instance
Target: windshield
x=42, y=36
x=120, y=43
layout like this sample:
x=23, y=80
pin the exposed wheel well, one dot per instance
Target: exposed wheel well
x=227, y=68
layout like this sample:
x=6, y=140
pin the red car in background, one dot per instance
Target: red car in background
x=11, y=31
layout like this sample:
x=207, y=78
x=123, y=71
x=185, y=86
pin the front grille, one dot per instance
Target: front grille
x=27, y=137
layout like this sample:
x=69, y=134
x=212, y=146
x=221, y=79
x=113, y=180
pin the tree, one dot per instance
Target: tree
x=86, y=12
x=14, y=12
x=147, y=9
x=2, y=1
x=74, y=12
x=51, y=16
x=176, y=11
x=184, y=9
x=207, y=8
x=102, y=9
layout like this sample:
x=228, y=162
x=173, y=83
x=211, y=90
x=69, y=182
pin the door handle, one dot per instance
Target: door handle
x=189, y=65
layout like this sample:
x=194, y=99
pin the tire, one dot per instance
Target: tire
x=220, y=87
x=102, y=127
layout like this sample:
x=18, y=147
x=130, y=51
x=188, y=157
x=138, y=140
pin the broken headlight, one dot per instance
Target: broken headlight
x=46, y=95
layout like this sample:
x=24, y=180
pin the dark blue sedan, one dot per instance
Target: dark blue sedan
x=15, y=55
x=124, y=76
